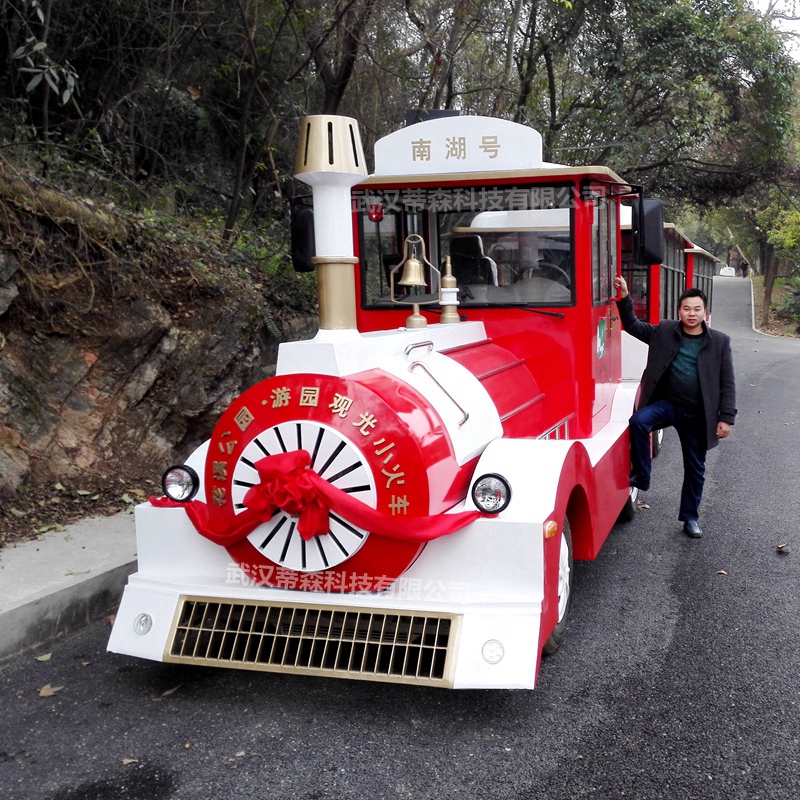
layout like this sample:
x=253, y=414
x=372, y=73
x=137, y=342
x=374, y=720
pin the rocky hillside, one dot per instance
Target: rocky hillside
x=122, y=339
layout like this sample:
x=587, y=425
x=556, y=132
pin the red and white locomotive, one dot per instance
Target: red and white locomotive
x=404, y=499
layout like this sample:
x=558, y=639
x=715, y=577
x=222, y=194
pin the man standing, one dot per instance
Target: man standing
x=688, y=383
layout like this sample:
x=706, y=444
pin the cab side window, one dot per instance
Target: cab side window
x=604, y=249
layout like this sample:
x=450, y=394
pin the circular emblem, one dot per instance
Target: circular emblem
x=374, y=438
x=334, y=458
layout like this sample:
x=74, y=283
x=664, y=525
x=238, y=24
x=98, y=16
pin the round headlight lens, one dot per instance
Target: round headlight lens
x=491, y=493
x=180, y=483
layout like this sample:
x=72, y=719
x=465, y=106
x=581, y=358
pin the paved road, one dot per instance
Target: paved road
x=680, y=676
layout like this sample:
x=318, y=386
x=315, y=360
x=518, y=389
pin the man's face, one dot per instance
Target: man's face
x=691, y=313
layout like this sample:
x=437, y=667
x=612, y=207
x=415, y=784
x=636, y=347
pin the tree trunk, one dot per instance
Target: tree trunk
x=448, y=57
x=770, y=267
x=95, y=223
x=349, y=26
x=527, y=63
x=241, y=181
x=501, y=99
x=239, y=176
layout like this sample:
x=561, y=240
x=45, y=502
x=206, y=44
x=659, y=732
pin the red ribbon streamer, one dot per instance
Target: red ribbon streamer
x=287, y=483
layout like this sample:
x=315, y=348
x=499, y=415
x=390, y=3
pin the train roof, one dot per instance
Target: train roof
x=471, y=149
x=626, y=223
x=553, y=172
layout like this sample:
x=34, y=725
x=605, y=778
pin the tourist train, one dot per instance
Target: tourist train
x=404, y=499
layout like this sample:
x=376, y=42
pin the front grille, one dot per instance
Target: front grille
x=345, y=642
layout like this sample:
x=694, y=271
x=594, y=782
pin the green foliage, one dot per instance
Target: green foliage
x=194, y=108
x=785, y=232
x=61, y=78
x=790, y=307
x=32, y=58
x=694, y=99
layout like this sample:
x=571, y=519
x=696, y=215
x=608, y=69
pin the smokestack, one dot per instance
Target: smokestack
x=330, y=159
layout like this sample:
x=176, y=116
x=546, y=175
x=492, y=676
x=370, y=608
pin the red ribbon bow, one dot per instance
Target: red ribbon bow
x=287, y=483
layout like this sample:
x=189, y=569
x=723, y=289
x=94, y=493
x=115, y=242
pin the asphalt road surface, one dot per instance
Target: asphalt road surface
x=679, y=678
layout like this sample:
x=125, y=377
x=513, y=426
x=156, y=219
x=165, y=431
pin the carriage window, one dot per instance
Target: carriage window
x=507, y=245
x=703, y=272
x=673, y=275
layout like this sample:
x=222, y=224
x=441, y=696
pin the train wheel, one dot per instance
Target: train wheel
x=565, y=577
x=656, y=438
x=629, y=509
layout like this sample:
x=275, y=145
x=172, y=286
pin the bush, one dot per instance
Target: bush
x=790, y=307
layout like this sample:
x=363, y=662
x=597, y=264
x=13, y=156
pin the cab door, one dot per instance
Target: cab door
x=606, y=356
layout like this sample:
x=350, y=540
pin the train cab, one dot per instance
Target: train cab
x=532, y=250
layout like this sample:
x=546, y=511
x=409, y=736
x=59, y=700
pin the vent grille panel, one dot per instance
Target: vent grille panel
x=403, y=647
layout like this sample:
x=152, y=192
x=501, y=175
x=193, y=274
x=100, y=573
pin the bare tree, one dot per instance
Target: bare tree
x=335, y=44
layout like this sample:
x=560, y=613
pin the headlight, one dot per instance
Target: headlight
x=491, y=493
x=180, y=483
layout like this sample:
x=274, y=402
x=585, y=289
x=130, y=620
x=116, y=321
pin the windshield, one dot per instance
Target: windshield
x=507, y=245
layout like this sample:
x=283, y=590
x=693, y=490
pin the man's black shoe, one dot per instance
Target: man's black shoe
x=691, y=528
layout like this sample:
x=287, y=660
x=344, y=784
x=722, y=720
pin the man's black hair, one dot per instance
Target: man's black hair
x=693, y=292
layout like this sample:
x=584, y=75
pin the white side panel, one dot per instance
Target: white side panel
x=634, y=357
x=493, y=560
x=159, y=604
x=345, y=352
x=533, y=468
x=170, y=549
x=621, y=410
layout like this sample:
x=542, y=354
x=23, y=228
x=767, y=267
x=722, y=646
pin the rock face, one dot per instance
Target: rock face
x=136, y=390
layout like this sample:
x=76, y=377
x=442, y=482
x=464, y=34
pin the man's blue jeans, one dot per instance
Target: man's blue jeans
x=691, y=430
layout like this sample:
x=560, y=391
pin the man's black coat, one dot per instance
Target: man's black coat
x=714, y=365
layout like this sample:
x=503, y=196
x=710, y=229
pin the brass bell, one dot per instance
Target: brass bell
x=413, y=274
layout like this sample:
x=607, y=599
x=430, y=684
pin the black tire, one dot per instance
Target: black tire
x=629, y=509
x=564, y=591
x=656, y=438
